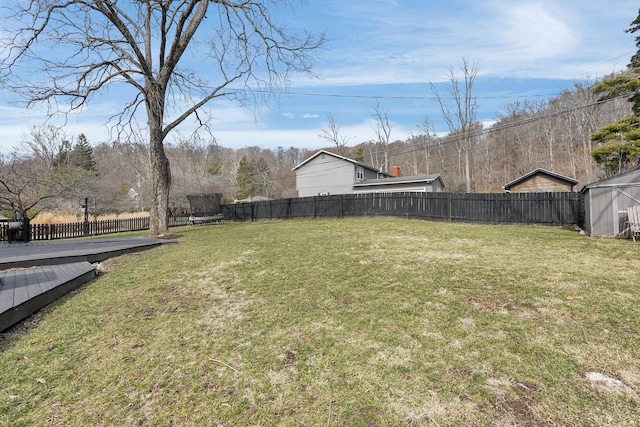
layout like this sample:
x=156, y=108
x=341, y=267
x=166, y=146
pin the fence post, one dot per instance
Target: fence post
x=406, y=204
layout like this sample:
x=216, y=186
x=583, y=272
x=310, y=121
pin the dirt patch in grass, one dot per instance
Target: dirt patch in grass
x=516, y=408
x=513, y=306
x=111, y=264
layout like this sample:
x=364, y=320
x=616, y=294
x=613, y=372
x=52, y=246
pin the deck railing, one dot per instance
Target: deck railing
x=90, y=228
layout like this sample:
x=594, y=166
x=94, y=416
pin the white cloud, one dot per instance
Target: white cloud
x=532, y=31
x=389, y=42
x=418, y=41
x=304, y=116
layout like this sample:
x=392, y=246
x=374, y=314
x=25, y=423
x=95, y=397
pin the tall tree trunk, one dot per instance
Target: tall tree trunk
x=161, y=183
x=426, y=157
x=160, y=167
x=467, y=168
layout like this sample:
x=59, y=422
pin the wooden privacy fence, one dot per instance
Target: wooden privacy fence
x=514, y=208
x=495, y=208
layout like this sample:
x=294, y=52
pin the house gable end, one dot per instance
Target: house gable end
x=537, y=178
x=368, y=168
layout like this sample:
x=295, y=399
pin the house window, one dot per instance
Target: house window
x=359, y=173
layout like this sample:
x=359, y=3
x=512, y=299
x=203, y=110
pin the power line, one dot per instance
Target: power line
x=450, y=139
x=404, y=97
x=434, y=98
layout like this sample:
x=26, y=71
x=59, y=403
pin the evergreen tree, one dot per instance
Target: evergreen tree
x=253, y=178
x=81, y=155
x=620, y=142
x=618, y=157
x=359, y=154
x=244, y=179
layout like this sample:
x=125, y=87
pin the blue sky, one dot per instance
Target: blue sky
x=388, y=51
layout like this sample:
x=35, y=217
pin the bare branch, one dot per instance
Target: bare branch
x=333, y=135
x=383, y=133
x=149, y=46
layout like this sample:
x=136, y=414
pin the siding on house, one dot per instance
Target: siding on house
x=540, y=181
x=328, y=173
x=416, y=183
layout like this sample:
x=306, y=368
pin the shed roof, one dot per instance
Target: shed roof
x=413, y=179
x=540, y=171
x=627, y=179
x=337, y=156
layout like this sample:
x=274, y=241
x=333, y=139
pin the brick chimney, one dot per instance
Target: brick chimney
x=396, y=171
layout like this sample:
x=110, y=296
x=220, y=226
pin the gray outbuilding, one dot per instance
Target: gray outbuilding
x=606, y=203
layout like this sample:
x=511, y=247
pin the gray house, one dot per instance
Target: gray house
x=606, y=203
x=329, y=173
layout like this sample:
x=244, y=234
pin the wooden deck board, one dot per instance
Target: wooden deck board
x=45, y=277
x=31, y=254
x=20, y=292
x=6, y=288
x=32, y=275
x=33, y=283
x=28, y=290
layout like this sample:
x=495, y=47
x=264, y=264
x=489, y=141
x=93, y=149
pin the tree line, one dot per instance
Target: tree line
x=558, y=134
x=586, y=132
x=555, y=134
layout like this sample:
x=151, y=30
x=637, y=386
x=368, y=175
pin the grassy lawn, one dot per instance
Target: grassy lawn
x=356, y=322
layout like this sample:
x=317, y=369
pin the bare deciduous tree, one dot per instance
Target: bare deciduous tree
x=148, y=46
x=333, y=135
x=461, y=116
x=428, y=141
x=30, y=183
x=196, y=166
x=383, y=135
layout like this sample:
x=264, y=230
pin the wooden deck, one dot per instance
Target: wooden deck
x=35, y=274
